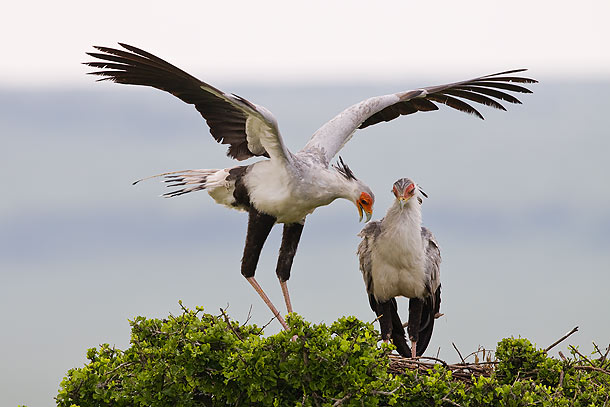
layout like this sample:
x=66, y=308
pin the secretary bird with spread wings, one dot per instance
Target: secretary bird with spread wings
x=287, y=186
x=400, y=257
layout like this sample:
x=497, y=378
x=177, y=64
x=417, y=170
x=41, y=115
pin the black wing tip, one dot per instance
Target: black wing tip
x=131, y=48
x=105, y=50
x=510, y=71
x=109, y=50
x=513, y=71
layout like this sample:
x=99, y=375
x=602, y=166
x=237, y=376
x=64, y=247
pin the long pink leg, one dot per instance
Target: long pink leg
x=262, y=294
x=413, y=349
x=284, y=285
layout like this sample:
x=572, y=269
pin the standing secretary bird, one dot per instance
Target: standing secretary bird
x=399, y=257
x=286, y=187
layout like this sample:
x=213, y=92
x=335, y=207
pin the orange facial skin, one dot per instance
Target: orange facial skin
x=365, y=204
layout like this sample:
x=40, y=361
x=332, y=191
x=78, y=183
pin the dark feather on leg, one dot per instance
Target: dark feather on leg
x=259, y=226
x=390, y=324
x=398, y=332
x=290, y=241
x=429, y=310
x=415, y=317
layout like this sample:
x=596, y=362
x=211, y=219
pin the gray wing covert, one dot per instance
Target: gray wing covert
x=485, y=90
x=433, y=259
x=365, y=249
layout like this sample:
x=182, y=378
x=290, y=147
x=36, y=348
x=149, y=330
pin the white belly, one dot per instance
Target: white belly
x=273, y=192
x=398, y=267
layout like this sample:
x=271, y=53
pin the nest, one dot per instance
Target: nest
x=463, y=371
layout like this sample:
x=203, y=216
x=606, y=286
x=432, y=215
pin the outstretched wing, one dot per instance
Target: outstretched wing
x=486, y=90
x=250, y=130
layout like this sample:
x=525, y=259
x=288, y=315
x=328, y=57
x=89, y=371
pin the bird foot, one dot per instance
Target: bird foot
x=438, y=315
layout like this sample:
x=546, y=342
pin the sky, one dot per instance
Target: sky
x=515, y=201
x=325, y=41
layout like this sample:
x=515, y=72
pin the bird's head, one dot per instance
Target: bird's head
x=359, y=193
x=365, y=202
x=404, y=189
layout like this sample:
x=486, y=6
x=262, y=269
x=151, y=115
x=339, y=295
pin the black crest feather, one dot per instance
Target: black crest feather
x=344, y=169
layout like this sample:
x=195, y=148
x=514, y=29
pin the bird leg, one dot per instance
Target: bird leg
x=398, y=331
x=267, y=301
x=415, y=314
x=385, y=320
x=290, y=241
x=259, y=226
x=381, y=309
x=284, y=285
x=390, y=324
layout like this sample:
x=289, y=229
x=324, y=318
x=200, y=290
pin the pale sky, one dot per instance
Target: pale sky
x=43, y=43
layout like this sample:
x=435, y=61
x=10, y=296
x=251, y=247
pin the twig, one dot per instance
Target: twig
x=559, y=388
x=184, y=309
x=341, y=400
x=230, y=324
x=451, y=402
x=597, y=349
x=119, y=367
x=458, y=352
x=597, y=369
x=267, y=324
x=435, y=359
x=573, y=349
x=481, y=349
x=110, y=372
x=604, y=355
x=248, y=317
x=558, y=341
x=385, y=393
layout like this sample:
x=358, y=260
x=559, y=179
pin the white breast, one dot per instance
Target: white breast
x=274, y=190
x=398, y=260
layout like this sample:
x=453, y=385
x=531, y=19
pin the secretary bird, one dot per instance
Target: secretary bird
x=285, y=187
x=400, y=257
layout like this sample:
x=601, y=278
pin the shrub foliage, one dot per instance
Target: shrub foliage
x=198, y=359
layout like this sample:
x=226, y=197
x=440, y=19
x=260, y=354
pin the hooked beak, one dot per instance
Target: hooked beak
x=362, y=210
x=402, y=200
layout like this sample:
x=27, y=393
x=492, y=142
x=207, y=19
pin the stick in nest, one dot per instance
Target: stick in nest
x=558, y=341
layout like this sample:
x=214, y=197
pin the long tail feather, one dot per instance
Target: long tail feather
x=190, y=180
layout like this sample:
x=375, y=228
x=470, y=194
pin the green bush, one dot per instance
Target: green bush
x=197, y=359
